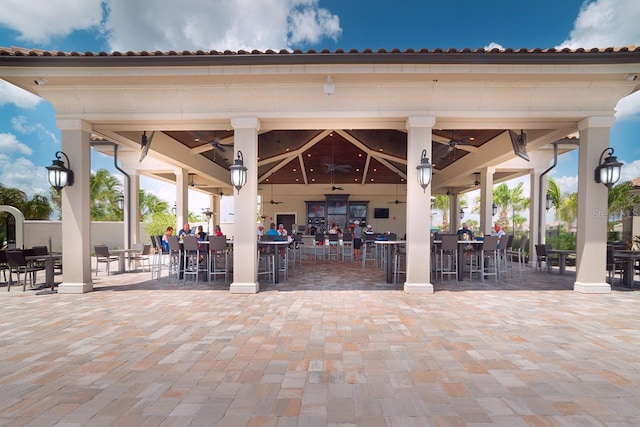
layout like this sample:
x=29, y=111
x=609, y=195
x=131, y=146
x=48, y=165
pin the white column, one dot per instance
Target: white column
x=182, y=197
x=592, y=208
x=454, y=213
x=245, y=263
x=537, y=225
x=486, y=199
x=132, y=210
x=418, y=208
x=76, y=215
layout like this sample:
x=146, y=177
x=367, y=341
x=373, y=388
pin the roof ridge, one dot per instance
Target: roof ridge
x=20, y=51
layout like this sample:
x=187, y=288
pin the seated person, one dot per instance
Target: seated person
x=368, y=230
x=165, y=240
x=217, y=231
x=201, y=234
x=334, y=229
x=185, y=230
x=273, y=231
x=281, y=230
x=497, y=231
x=465, y=233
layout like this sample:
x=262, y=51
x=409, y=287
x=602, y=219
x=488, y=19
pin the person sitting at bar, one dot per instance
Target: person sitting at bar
x=217, y=231
x=497, y=231
x=165, y=239
x=201, y=234
x=465, y=233
x=273, y=231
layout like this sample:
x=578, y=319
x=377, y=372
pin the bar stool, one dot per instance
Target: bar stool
x=334, y=248
x=218, y=254
x=191, y=258
x=448, y=254
x=347, y=246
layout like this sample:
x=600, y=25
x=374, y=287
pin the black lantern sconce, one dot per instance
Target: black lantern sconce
x=121, y=201
x=494, y=209
x=174, y=210
x=238, y=172
x=60, y=175
x=424, y=171
x=548, y=201
x=608, y=170
x=461, y=214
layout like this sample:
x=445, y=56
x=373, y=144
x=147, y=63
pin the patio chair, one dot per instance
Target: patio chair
x=447, y=256
x=542, y=256
x=218, y=263
x=347, y=246
x=103, y=257
x=613, y=267
x=192, y=257
x=143, y=257
x=18, y=264
x=4, y=266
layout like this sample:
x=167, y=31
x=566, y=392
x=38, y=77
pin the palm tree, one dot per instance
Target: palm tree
x=567, y=210
x=150, y=204
x=441, y=204
x=509, y=199
x=104, y=191
x=553, y=189
x=38, y=208
x=621, y=199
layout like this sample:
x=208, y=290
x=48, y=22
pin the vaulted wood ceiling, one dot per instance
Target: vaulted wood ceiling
x=334, y=156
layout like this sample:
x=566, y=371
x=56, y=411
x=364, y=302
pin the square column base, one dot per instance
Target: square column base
x=418, y=288
x=244, y=288
x=592, y=288
x=75, y=288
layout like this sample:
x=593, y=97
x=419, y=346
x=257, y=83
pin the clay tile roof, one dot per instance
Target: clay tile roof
x=395, y=54
x=635, y=182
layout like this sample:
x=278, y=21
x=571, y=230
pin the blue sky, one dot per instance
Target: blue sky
x=29, y=138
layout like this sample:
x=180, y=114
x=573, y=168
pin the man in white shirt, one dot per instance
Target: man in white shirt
x=497, y=231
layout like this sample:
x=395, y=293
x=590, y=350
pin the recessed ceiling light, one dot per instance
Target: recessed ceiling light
x=358, y=170
x=359, y=154
x=313, y=180
x=297, y=180
x=311, y=170
x=196, y=139
x=375, y=170
x=267, y=179
x=371, y=180
x=309, y=155
x=294, y=170
x=381, y=149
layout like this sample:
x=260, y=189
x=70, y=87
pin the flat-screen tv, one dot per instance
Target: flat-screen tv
x=519, y=143
x=381, y=212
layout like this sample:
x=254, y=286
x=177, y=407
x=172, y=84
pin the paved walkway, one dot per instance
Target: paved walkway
x=321, y=349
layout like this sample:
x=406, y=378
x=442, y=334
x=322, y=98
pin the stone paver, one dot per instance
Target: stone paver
x=332, y=346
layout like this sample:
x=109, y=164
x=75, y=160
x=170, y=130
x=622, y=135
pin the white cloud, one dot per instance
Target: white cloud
x=10, y=144
x=567, y=184
x=41, y=21
x=10, y=94
x=630, y=171
x=493, y=45
x=606, y=23
x=22, y=125
x=217, y=24
x=23, y=174
x=628, y=106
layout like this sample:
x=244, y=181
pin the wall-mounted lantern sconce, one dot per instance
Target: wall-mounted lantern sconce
x=238, y=172
x=494, y=209
x=424, y=171
x=477, y=180
x=174, y=210
x=461, y=214
x=60, y=175
x=608, y=170
x=549, y=202
x=121, y=201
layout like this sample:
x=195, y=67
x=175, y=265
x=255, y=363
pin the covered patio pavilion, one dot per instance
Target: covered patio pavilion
x=455, y=107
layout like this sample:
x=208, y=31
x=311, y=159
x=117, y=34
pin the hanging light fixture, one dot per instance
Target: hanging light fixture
x=608, y=170
x=60, y=175
x=424, y=171
x=549, y=201
x=494, y=209
x=461, y=214
x=238, y=172
x=121, y=201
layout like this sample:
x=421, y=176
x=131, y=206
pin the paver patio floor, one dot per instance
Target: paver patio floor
x=332, y=346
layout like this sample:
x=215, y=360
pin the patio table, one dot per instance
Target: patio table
x=629, y=259
x=562, y=257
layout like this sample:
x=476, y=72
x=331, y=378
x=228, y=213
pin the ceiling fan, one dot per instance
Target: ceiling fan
x=332, y=168
x=396, y=201
x=272, y=202
x=453, y=142
x=217, y=144
x=192, y=182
